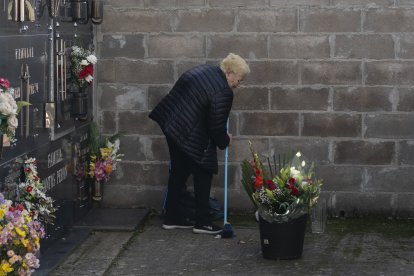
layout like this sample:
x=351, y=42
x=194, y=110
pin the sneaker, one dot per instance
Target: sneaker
x=171, y=224
x=208, y=228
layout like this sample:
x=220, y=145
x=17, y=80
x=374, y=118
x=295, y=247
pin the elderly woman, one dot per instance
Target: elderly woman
x=193, y=117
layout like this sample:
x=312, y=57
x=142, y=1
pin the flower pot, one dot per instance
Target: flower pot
x=97, y=192
x=282, y=240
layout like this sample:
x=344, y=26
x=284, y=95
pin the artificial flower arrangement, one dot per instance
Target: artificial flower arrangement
x=286, y=193
x=20, y=238
x=32, y=194
x=104, y=154
x=9, y=109
x=81, y=62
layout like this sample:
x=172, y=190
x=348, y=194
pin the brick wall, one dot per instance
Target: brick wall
x=333, y=78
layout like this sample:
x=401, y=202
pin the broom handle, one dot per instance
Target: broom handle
x=226, y=156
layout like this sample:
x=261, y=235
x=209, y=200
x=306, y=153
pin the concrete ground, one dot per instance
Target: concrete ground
x=348, y=247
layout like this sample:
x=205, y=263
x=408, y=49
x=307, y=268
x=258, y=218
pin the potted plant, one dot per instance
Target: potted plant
x=103, y=159
x=283, y=193
x=9, y=109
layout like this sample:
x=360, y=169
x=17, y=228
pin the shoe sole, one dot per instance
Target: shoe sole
x=169, y=227
x=201, y=231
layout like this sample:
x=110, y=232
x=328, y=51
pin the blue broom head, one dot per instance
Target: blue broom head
x=227, y=231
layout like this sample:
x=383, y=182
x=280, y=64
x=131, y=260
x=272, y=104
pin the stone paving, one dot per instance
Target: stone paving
x=348, y=247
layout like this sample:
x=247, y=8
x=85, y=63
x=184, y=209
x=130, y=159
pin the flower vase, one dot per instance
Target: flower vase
x=97, y=190
x=284, y=240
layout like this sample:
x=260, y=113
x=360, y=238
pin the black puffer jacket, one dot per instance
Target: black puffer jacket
x=194, y=114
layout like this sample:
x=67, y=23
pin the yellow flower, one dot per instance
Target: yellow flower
x=105, y=152
x=20, y=232
x=25, y=242
x=2, y=212
x=5, y=266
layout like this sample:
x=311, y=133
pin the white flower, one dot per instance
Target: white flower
x=76, y=50
x=84, y=62
x=303, y=163
x=12, y=122
x=294, y=172
x=298, y=154
x=88, y=78
x=92, y=59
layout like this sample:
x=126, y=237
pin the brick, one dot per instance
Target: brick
x=268, y=20
x=363, y=99
x=129, y=46
x=364, y=152
x=121, y=97
x=331, y=72
x=233, y=177
x=240, y=150
x=132, y=122
x=248, y=46
x=406, y=152
x=156, y=149
x=299, y=46
x=404, y=205
x=211, y=20
x=173, y=3
x=105, y=71
x=305, y=98
x=272, y=72
x=389, y=20
x=237, y=3
x=330, y=20
x=395, y=180
x=389, y=73
x=299, y=2
x=122, y=196
x=140, y=175
x=359, y=204
x=155, y=94
x=176, y=46
x=392, y=126
x=312, y=150
x=364, y=46
x=149, y=20
x=269, y=124
x=250, y=98
x=406, y=46
x=123, y=3
x=405, y=2
x=142, y=71
x=185, y=65
x=370, y=3
x=108, y=122
x=406, y=100
x=340, y=178
x=331, y=125
x=133, y=148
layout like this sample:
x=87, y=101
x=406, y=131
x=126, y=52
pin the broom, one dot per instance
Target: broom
x=227, y=229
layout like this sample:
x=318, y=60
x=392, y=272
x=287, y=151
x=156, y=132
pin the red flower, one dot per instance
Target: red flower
x=29, y=189
x=36, y=178
x=12, y=209
x=88, y=70
x=271, y=185
x=291, y=181
x=4, y=83
x=258, y=182
x=27, y=170
x=20, y=207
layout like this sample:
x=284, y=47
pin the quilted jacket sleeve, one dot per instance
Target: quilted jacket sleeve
x=219, y=111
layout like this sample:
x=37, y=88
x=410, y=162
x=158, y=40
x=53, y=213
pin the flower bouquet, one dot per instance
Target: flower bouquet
x=81, y=64
x=9, y=109
x=32, y=194
x=19, y=239
x=283, y=194
x=282, y=191
x=103, y=159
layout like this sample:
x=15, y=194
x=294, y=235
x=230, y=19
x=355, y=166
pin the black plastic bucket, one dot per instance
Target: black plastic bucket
x=283, y=240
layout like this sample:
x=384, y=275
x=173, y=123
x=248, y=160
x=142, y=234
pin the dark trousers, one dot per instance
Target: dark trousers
x=182, y=166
